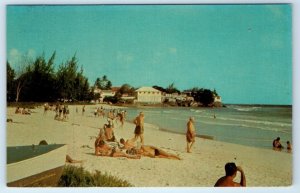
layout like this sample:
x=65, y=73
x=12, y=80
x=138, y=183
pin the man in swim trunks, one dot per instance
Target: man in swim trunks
x=190, y=134
x=139, y=127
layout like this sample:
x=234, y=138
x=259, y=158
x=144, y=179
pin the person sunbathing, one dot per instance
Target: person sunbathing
x=154, y=152
x=128, y=144
x=102, y=149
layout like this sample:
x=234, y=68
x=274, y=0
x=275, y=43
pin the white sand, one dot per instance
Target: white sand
x=201, y=168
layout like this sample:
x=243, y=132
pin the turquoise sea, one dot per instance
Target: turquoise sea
x=247, y=125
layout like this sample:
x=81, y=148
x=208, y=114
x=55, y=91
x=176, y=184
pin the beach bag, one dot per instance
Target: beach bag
x=137, y=130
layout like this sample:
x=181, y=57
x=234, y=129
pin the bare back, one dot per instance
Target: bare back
x=226, y=181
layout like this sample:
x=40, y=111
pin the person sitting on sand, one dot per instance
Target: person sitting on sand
x=102, y=149
x=276, y=144
x=190, y=134
x=18, y=110
x=109, y=132
x=25, y=111
x=227, y=180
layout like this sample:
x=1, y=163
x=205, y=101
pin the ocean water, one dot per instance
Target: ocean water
x=247, y=125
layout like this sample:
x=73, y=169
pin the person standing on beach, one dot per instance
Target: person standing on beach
x=289, y=147
x=227, y=181
x=139, y=127
x=83, y=109
x=190, y=134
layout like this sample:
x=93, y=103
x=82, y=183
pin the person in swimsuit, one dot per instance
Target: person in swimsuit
x=276, y=144
x=154, y=152
x=102, y=149
x=289, y=147
x=139, y=127
x=190, y=134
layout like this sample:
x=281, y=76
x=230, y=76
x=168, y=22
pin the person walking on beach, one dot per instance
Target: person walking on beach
x=227, y=181
x=190, y=134
x=139, y=127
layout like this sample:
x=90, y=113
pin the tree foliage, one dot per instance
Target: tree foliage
x=125, y=89
x=103, y=83
x=172, y=89
x=39, y=82
x=10, y=84
x=203, y=96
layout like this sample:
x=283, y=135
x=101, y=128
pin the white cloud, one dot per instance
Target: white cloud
x=14, y=57
x=17, y=58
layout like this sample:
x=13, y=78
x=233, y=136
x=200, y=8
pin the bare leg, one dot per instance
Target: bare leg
x=121, y=154
x=70, y=160
x=142, y=139
x=188, y=147
x=163, y=154
x=191, y=145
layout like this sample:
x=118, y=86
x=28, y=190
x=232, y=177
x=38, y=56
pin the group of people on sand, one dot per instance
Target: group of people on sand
x=278, y=147
x=106, y=143
x=23, y=111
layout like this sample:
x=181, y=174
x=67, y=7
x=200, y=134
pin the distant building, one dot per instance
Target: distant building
x=106, y=93
x=217, y=99
x=148, y=95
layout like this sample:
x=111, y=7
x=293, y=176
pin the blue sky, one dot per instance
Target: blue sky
x=242, y=51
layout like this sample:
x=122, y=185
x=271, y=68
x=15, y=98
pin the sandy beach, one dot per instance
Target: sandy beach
x=201, y=168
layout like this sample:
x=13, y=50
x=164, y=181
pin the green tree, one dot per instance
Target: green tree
x=10, y=87
x=66, y=79
x=204, y=96
x=125, y=89
x=172, y=89
x=108, y=85
x=41, y=80
x=103, y=83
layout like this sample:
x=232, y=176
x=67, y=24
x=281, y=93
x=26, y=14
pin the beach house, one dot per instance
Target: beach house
x=148, y=95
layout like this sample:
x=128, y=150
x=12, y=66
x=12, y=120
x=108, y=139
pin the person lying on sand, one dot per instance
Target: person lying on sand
x=227, y=180
x=146, y=150
x=102, y=149
x=154, y=152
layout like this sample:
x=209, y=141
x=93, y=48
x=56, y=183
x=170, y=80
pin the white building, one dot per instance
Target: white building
x=148, y=95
